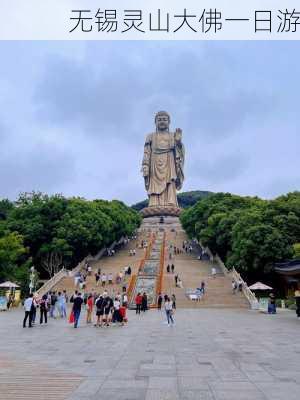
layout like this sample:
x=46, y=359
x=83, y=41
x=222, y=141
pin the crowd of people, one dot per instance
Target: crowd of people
x=108, y=278
x=54, y=303
x=108, y=308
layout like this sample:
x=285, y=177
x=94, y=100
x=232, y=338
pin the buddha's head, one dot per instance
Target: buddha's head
x=162, y=121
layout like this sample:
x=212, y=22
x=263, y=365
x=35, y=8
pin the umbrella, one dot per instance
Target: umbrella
x=9, y=284
x=260, y=286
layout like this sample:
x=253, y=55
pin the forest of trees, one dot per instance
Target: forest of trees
x=247, y=232
x=51, y=231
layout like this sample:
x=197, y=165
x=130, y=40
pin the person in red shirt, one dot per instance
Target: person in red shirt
x=89, y=309
x=138, y=302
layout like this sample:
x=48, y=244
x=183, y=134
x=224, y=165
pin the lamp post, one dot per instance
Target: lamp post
x=32, y=278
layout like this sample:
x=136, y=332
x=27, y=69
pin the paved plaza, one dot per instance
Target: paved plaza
x=209, y=354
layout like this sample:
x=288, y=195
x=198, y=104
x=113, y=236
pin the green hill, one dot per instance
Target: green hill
x=185, y=199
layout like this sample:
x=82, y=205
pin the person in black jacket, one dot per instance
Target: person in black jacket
x=144, y=302
x=108, y=304
x=77, y=303
x=43, y=309
x=159, y=301
x=99, y=310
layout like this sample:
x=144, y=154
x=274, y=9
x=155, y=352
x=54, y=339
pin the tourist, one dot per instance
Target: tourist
x=234, y=286
x=169, y=311
x=99, y=310
x=10, y=301
x=168, y=268
x=62, y=305
x=240, y=284
x=28, y=310
x=138, y=303
x=116, y=317
x=123, y=314
x=73, y=296
x=297, y=298
x=89, y=309
x=176, y=280
x=172, y=268
x=108, y=304
x=202, y=287
x=43, y=309
x=97, y=278
x=144, y=302
x=179, y=283
x=159, y=301
x=173, y=298
x=103, y=279
x=129, y=270
x=213, y=272
x=66, y=296
x=125, y=300
x=77, y=303
x=110, y=278
x=34, y=307
x=53, y=304
x=166, y=297
x=89, y=271
x=272, y=304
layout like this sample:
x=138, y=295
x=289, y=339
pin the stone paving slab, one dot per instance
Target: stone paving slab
x=208, y=355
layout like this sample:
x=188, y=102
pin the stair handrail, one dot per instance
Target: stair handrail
x=223, y=267
x=47, y=286
x=250, y=296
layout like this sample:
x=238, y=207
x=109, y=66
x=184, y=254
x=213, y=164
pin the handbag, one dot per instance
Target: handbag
x=71, y=318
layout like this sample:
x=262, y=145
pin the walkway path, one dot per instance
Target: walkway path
x=209, y=354
x=191, y=270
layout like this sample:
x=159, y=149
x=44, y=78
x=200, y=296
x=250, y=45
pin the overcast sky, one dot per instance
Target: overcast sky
x=74, y=116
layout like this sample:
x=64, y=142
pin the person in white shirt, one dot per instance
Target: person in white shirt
x=125, y=300
x=110, y=278
x=28, y=307
x=213, y=272
x=169, y=311
x=103, y=279
x=116, y=313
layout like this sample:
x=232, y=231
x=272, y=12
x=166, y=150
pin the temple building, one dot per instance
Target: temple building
x=290, y=275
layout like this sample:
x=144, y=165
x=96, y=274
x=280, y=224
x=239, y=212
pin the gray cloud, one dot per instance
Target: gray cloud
x=88, y=106
x=42, y=168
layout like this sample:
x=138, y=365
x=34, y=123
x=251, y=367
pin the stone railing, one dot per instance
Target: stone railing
x=63, y=272
x=220, y=263
x=51, y=282
x=250, y=296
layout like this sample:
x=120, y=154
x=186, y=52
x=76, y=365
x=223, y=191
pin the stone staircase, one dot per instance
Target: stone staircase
x=190, y=270
x=113, y=264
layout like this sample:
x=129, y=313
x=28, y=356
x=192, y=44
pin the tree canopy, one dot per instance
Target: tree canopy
x=51, y=231
x=247, y=232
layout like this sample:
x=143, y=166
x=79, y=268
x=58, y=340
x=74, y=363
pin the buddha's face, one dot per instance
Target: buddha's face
x=162, y=122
